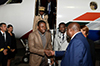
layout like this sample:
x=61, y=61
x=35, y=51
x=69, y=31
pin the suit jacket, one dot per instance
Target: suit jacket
x=77, y=53
x=92, y=50
x=4, y=44
x=38, y=18
x=52, y=8
x=13, y=41
x=36, y=47
x=59, y=44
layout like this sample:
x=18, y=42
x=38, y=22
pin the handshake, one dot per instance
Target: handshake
x=49, y=52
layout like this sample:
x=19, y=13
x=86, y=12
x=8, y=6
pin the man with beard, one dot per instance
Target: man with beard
x=60, y=42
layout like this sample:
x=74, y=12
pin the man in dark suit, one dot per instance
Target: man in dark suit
x=50, y=9
x=78, y=50
x=5, y=42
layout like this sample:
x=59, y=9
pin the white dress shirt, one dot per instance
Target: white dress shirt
x=49, y=4
x=4, y=35
x=74, y=35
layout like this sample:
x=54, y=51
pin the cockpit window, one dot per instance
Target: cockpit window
x=14, y=1
x=93, y=5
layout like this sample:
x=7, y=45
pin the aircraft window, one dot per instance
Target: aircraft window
x=93, y=5
x=14, y=1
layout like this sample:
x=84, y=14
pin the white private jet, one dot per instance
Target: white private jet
x=21, y=15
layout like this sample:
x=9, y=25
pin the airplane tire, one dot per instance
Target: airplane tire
x=25, y=59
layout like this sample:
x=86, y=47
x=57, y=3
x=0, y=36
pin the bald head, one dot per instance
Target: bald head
x=73, y=28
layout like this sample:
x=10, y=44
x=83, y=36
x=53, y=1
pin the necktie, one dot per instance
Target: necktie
x=49, y=9
x=42, y=16
x=63, y=37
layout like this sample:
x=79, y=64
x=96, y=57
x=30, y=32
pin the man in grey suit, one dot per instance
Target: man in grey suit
x=60, y=42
